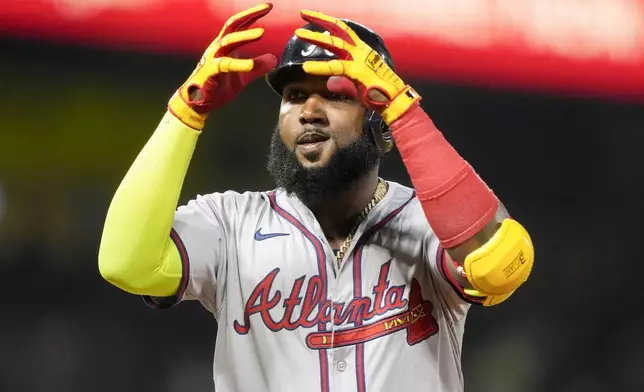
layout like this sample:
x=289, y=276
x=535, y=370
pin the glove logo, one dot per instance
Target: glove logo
x=373, y=60
x=411, y=93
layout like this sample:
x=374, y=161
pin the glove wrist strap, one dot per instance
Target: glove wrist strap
x=181, y=110
x=400, y=104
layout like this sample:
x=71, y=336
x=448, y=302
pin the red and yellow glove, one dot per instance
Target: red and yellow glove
x=219, y=76
x=376, y=84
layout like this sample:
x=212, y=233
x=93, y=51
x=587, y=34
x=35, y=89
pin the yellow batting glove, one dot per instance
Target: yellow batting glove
x=360, y=63
x=219, y=77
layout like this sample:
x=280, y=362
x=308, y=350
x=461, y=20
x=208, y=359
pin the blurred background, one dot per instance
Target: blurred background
x=545, y=98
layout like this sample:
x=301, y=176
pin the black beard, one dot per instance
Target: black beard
x=346, y=167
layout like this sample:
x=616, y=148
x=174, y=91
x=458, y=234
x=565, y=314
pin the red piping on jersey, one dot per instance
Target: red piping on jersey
x=442, y=260
x=321, y=259
x=185, y=276
x=357, y=293
x=185, y=263
x=357, y=287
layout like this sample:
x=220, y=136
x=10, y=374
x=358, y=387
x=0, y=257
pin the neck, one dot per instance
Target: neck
x=337, y=216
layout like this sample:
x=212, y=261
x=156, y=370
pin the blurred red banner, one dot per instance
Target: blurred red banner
x=588, y=47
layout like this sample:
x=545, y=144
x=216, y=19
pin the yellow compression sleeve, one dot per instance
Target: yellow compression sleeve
x=136, y=253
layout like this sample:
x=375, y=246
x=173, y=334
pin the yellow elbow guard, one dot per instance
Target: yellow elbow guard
x=502, y=264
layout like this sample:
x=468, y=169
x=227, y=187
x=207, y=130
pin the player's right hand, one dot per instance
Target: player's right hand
x=219, y=76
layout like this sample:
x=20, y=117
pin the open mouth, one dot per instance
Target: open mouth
x=312, y=138
x=311, y=143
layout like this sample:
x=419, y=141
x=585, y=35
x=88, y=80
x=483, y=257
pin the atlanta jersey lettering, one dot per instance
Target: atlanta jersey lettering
x=291, y=320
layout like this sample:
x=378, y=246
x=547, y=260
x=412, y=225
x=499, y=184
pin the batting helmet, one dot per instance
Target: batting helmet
x=298, y=51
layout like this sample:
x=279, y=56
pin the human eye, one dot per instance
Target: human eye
x=296, y=94
x=338, y=97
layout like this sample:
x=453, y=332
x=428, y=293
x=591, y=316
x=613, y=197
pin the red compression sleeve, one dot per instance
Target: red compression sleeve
x=456, y=202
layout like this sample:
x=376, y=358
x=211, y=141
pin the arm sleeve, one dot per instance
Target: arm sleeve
x=140, y=252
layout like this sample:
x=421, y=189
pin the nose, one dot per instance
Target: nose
x=313, y=111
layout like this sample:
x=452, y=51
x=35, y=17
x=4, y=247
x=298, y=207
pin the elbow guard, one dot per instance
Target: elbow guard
x=502, y=264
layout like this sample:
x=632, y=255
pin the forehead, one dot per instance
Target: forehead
x=304, y=80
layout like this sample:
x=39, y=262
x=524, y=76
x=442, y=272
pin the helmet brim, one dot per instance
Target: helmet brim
x=278, y=78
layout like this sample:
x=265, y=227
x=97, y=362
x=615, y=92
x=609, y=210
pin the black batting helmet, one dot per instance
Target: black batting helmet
x=298, y=51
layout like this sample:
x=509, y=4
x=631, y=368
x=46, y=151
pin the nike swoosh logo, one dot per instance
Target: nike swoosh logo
x=261, y=237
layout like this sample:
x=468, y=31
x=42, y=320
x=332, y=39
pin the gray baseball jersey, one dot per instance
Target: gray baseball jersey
x=290, y=320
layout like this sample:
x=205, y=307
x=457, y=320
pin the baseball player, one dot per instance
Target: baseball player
x=336, y=280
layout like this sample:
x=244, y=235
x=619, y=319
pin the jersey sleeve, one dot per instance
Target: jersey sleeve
x=451, y=292
x=199, y=232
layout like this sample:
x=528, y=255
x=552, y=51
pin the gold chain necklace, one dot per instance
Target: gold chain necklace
x=381, y=191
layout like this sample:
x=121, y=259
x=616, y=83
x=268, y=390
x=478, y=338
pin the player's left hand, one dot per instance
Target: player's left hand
x=376, y=84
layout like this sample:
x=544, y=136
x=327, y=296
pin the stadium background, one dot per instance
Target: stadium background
x=554, y=122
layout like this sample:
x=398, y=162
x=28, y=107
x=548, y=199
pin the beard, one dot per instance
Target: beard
x=314, y=185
